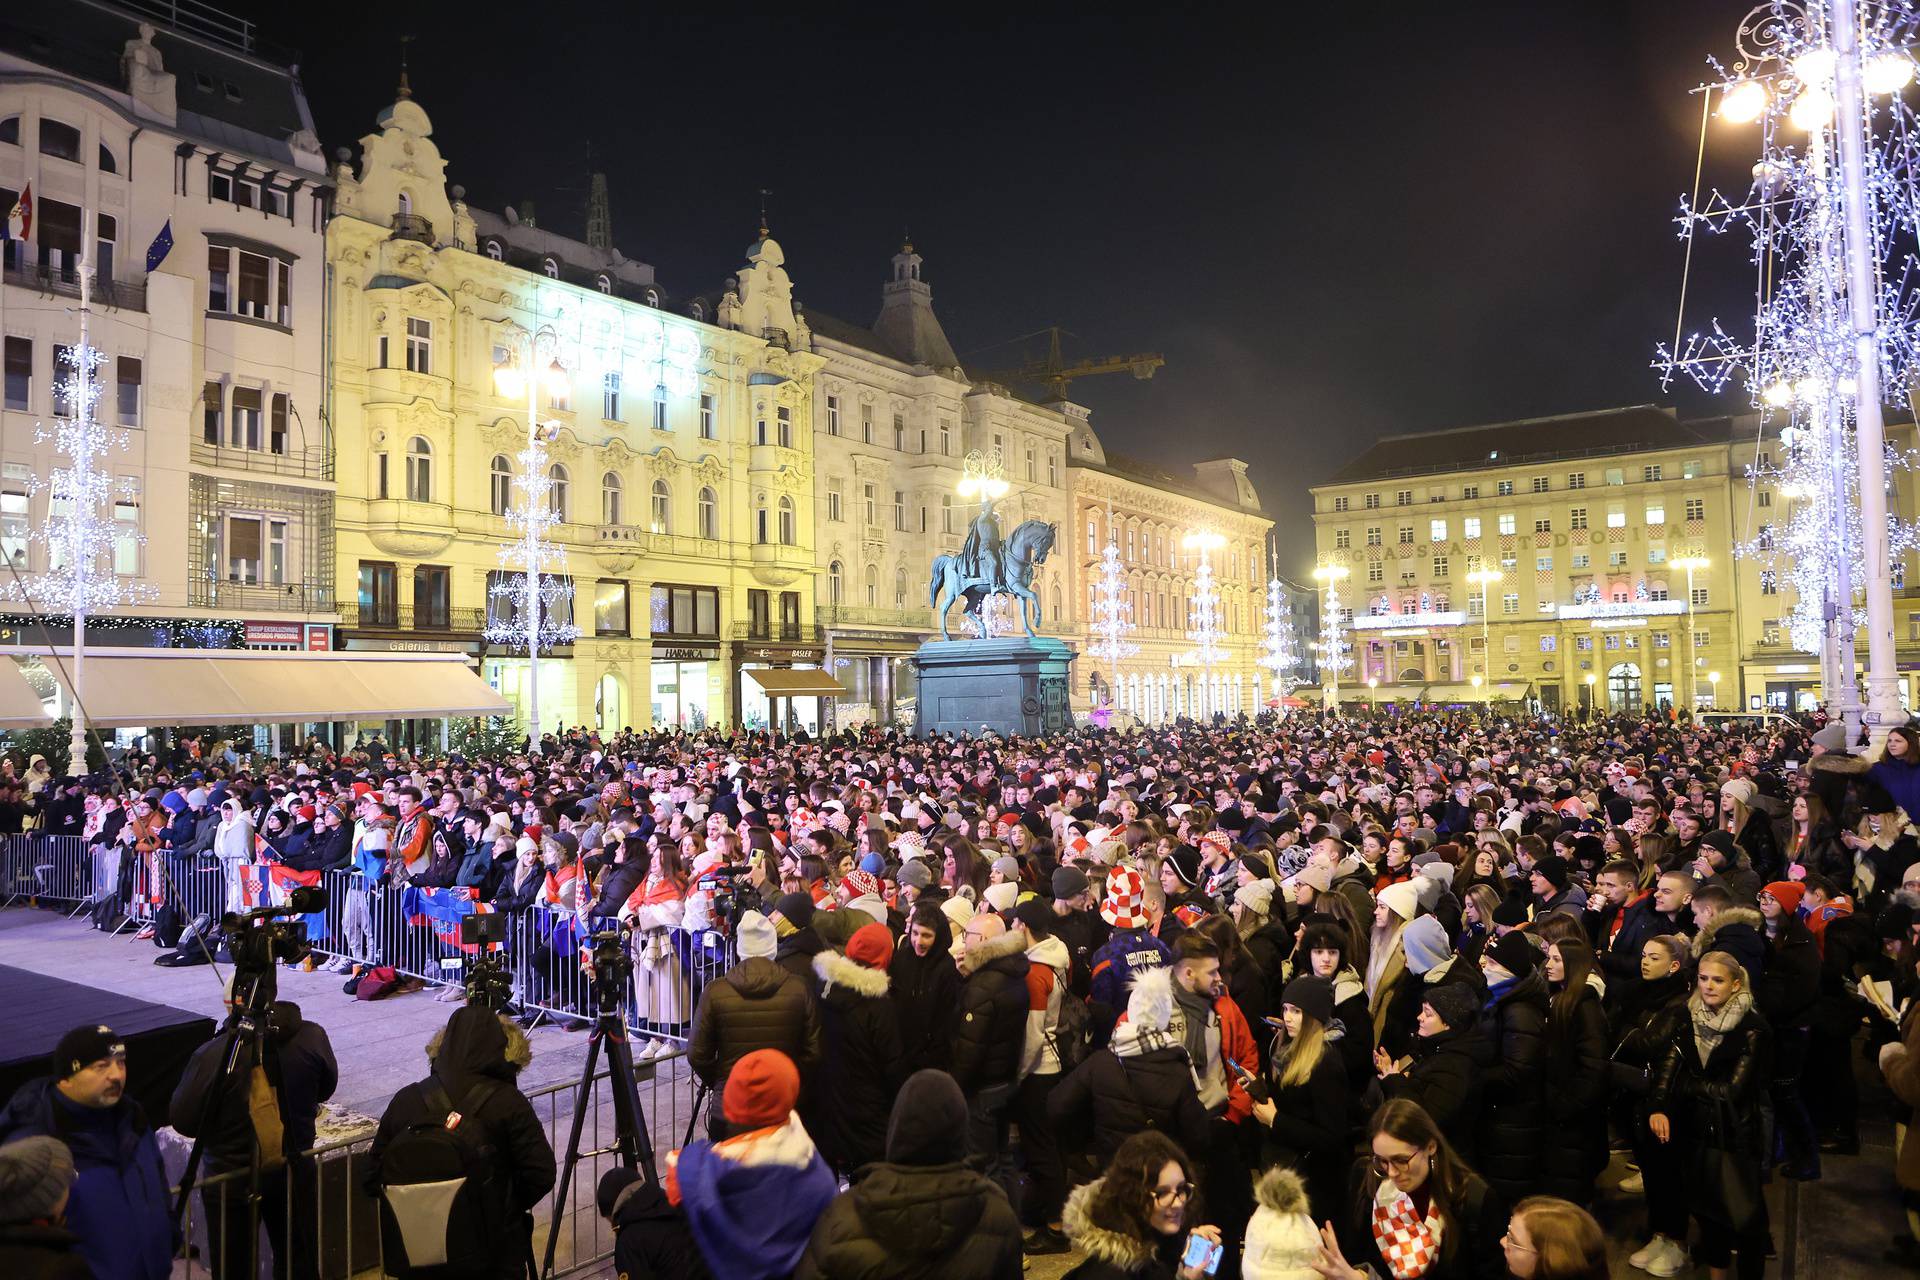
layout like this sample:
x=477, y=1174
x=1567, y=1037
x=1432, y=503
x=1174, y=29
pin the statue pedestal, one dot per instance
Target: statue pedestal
x=1009, y=685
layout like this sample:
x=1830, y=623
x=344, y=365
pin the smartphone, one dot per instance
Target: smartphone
x=1203, y=1253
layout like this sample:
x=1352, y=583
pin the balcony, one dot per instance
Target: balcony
x=393, y=618
x=411, y=226
x=410, y=529
x=303, y=464
x=776, y=564
x=287, y=597
x=64, y=282
x=618, y=547
x=863, y=615
x=772, y=633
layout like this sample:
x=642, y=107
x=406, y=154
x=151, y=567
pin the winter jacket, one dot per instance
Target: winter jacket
x=1642, y=1025
x=861, y=1063
x=1741, y=933
x=755, y=1005
x=1718, y=1104
x=924, y=991
x=1513, y=1024
x=1445, y=1080
x=1788, y=988
x=1901, y=780
x=1115, y=1255
x=1902, y=1068
x=1356, y=1027
x=1580, y=1077
x=795, y=954
x=119, y=1205
x=1474, y=1253
x=651, y=1239
x=40, y=1251
x=515, y=893
x=1143, y=1079
x=1756, y=840
x=299, y=1065
x=753, y=1200
x=1257, y=1000
x=1309, y=1132
x=1620, y=962
x=1282, y=1241
x=991, y=1032
x=1047, y=973
x=1270, y=945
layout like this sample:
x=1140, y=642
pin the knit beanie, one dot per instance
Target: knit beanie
x=871, y=947
x=35, y=1173
x=1553, y=870
x=1515, y=953
x=1453, y=1003
x=1185, y=860
x=1787, y=893
x=756, y=937
x=959, y=914
x=874, y=864
x=1311, y=996
x=1002, y=896
x=606, y=1196
x=1425, y=942
x=929, y=1121
x=1068, y=882
x=1512, y=911
x=1319, y=877
x=1008, y=867
x=1402, y=899
x=761, y=1090
x=914, y=874
x=81, y=1047
x=1255, y=896
x=1832, y=738
x=862, y=884
x=795, y=908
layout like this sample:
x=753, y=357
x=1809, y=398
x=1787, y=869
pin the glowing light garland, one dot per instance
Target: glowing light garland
x=1279, y=652
x=533, y=553
x=1112, y=619
x=1336, y=655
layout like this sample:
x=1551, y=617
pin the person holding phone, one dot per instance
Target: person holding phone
x=1136, y=1221
x=1305, y=1118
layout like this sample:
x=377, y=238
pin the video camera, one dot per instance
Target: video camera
x=729, y=904
x=256, y=940
x=610, y=962
x=488, y=983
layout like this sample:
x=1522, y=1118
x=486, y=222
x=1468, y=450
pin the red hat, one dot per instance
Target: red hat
x=761, y=1090
x=361, y=789
x=863, y=882
x=871, y=947
x=1124, y=907
x=308, y=813
x=1218, y=839
x=1787, y=893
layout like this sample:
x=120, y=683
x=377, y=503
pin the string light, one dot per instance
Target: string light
x=1112, y=619
x=1280, y=651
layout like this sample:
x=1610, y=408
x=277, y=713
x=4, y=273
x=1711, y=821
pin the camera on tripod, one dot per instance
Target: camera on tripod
x=729, y=903
x=256, y=940
x=488, y=983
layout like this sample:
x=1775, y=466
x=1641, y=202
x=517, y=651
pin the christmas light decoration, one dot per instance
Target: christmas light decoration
x=1335, y=654
x=1204, y=612
x=1112, y=620
x=1280, y=652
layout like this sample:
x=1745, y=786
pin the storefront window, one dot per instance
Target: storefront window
x=610, y=608
x=680, y=695
x=801, y=713
x=685, y=611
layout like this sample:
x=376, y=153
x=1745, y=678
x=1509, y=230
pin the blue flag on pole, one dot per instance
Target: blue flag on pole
x=162, y=245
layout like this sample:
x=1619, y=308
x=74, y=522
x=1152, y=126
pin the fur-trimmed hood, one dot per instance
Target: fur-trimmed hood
x=1839, y=762
x=982, y=954
x=1114, y=1248
x=1281, y=1190
x=835, y=970
x=1704, y=940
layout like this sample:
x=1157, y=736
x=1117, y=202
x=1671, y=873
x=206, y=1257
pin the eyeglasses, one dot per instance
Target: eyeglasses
x=1507, y=1241
x=1394, y=1164
x=1164, y=1196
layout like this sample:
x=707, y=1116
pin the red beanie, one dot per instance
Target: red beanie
x=1787, y=893
x=871, y=946
x=761, y=1090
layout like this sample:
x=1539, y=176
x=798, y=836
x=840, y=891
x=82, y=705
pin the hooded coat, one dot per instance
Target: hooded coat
x=924, y=990
x=755, y=1005
x=923, y=1212
x=1142, y=1080
x=651, y=1240
x=992, y=1031
x=861, y=1062
x=1741, y=933
x=1513, y=1118
x=1115, y=1255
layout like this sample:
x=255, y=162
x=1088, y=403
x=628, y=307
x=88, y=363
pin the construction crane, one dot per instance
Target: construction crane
x=1053, y=373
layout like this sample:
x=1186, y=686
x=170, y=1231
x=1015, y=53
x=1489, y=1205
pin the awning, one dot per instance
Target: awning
x=1464, y=691
x=796, y=682
x=182, y=686
x=20, y=706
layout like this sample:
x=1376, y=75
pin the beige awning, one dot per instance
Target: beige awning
x=793, y=682
x=20, y=706
x=161, y=687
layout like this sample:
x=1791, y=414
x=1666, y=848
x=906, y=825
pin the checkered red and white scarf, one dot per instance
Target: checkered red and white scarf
x=1409, y=1243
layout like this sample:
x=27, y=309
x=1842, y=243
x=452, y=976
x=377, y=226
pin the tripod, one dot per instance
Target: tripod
x=246, y=1034
x=631, y=1139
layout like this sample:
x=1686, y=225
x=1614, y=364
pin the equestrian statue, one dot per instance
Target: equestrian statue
x=988, y=565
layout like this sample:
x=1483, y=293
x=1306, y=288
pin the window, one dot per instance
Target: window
x=1769, y=583
x=1650, y=472
x=709, y=514
x=432, y=599
x=610, y=396
x=1503, y=488
x=612, y=492
x=1469, y=492
x=834, y=507
x=1582, y=560
x=255, y=286
x=1696, y=509
x=61, y=141
x=1662, y=639
x=126, y=533
x=106, y=237
x=1436, y=530
x=1406, y=535
x=1439, y=566
x=558, y=482
x=1699, y=597
x=1657, y=513
x=1656, y=555
x=1476, y=607
x=900, y=433
x=1763, y=497
x=219, y=296
x=1611, y=641
x=493, y=250
x=1543, y=564
x=685, y=611
x=1656, y=593
x=10, y=133
x=835, y=578
x=1616, y=559
x=127, y=390
x=500, y=484
x=1403, y=498
x=871, y=586
x=1692, y=469
x=1549, y=643
x=1470, y=527
x=783, y=419
x=254, y=550
x=20, y=372
x=1543, y=524
x=788, y=534
x=759, y=615
x=605, y=286
x=946, y=433
x=1764, y=538
x=1376, y=572
x=243, y=425
x=1342, y=539
x=419, y=470
x=1508, y=561
x=1577, y=518
x=1033, y=466
x=760, y=425
x=380, y=360
x=419, y=344
x=1702, y=638
x=283, y=277
x=1616, y=518
x=380, y=487
x=866, y=424
x=1507, y=523
x=1340, y=503
x=946, y=513
x=610, y=614
x=706, y=416
x=1373, y=535
x=899, y=511
x=660, y=509
x=1576, y=480
x=1510, y=602
x=1540, y=484
x=1053, y=470
x=869, y=504
x=660, y=415
x=1614, y=475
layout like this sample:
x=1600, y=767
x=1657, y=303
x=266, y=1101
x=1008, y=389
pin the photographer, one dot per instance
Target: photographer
x=300, y=1070
x=755, y=1005
x=476, y=1061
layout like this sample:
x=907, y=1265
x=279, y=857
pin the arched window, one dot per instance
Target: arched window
x=662, y=512
x=835, y=578
x=787, y=534
x=10, y=131
x=611, y=493
x=500, y=479
x=605, y=285
x=873, y=586
x=551, y=268
x=107, y=162
x=406, y=204
x=760, y=519
x=493, y=250
x=419, y=470
x=557, y=484
x=1056, y=599
x=709, y=513
x=900, y=587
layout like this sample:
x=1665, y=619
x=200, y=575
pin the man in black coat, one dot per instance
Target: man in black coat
x=651, y=1238
x=754, y=1005
x=1663, y=911
x=990, y=1036
x=477, y=1047
x=861, y=1061
x=793, y=921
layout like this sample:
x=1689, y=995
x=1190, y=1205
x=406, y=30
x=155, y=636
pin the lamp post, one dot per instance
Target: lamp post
x=1592, y=679
x=1485, y=578
x=1333, y=648
x=1206, y=615
x=1713, y=678
x=536, y=595
x=1690, y=563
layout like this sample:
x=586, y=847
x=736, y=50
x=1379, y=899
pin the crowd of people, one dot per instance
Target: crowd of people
x=1277, y=998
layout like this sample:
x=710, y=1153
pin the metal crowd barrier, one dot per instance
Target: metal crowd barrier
x=336, y=1225
x=57, y=871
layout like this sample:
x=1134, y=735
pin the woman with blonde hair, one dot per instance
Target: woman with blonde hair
x=1306, y=1113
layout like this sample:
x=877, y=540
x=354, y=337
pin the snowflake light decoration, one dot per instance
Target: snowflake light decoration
x=541, y=611
x=1279, y=651
x=1112, y=619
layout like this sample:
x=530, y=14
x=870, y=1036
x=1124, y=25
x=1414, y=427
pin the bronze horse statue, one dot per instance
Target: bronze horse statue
x=1024, y=551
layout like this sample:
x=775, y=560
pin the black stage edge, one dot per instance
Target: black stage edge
x=35, y=1011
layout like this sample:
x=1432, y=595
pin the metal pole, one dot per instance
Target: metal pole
x=531, y=615
x=82, y=462
x=1883, y=697
x=1693, y=674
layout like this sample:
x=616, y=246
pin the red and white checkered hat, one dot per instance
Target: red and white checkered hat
x=1125, y=906
x=863, y=882
x=910, y=844
x=1218, y=839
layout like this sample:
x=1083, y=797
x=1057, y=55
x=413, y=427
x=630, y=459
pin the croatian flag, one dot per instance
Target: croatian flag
x=254, y=887
x=20, y=217
x=442, y=910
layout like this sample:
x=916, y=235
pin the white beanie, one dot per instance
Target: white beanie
x=756, y=937
x=1402, y=898
x=1255, y=896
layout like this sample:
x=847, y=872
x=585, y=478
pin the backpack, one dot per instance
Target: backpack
x=1072, y=1036
x=444, y=1205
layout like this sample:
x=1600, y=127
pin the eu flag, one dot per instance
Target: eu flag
x=162, y=245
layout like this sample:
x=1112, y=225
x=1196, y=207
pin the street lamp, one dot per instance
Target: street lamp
x=1333, y=649
x=1690, y=563
x=1206, y=632
x=1484, y=578
x=1713, y=678
x=1476, y=685
x=1591, y=680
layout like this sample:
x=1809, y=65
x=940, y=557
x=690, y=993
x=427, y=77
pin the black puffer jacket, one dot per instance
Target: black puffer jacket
x=1789, y=987
x=38, y=1251
x=651, y=1238
x=1309, y=1133
x=992, y=1030
x=756, y=1005
x=924, y=990
x=1576, y=1103
x=1445, y=1080
x=1108, y=1098
x=300, y=1065
x=795, y=954
x=923, y=1212
x=860, y=1062
x=1513, y=1098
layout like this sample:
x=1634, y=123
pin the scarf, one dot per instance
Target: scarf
x=1409, y=1243
x=1196, y=1012
x=1710, y=1028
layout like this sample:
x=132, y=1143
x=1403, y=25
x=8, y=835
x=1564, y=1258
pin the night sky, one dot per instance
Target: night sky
x=1391, y=219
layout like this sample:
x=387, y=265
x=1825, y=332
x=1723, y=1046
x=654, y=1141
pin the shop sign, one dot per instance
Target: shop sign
x=782, y=655
x=285, y=634
x=319, y=637
x=361, y=644
x=684, y=653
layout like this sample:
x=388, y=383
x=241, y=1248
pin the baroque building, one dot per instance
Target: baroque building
x=679, y=432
